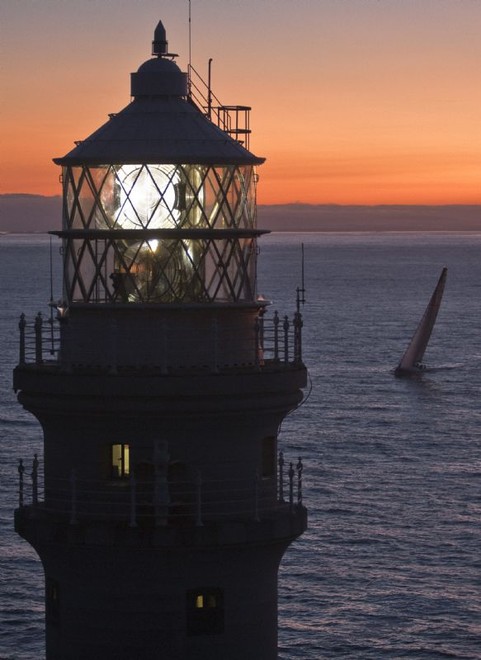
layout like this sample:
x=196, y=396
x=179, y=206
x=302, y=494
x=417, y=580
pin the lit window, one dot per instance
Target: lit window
x=120, y=461
x=205, y=612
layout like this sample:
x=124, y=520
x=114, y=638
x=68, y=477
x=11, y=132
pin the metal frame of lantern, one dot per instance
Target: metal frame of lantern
x=143, y=233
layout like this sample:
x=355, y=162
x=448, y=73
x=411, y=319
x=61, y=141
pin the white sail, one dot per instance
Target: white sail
x=414, y=354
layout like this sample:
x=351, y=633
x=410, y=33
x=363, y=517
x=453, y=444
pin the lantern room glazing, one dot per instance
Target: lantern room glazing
x=159, y=233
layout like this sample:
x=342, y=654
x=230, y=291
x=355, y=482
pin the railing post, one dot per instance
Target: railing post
x=21, y=470
x=38, y=338
x=133, y=501
x=161, y=486
x=291, y=486
x=256, y=342
x=35, y=480
x=198, y=500
x=299, y=468
x=281, y=477
x=276, y=335
x=73, y=497
x=52, y=333
x=215, y=347
x=113, y=346
x=298, y=337
x=286, y=340
x=21, y=326
x=256, y=497
x=261, y=330
x=165, y=348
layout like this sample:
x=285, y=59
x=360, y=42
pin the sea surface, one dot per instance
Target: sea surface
x=390, y=566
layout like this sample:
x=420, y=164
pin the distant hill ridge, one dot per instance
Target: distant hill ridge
x=389, y=217
x=36, y=213
x=22, y=213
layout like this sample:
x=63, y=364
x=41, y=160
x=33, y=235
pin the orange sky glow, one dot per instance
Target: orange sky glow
x=353, y=102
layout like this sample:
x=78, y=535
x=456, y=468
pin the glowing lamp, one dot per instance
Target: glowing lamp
x=148, y=197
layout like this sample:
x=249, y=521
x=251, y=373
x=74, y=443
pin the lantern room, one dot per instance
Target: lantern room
x=159, y=203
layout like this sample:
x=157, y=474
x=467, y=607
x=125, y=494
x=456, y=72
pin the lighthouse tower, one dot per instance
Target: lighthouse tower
x=162, y=507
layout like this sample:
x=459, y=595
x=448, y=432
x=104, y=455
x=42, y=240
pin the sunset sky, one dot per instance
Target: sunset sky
x=354, y=101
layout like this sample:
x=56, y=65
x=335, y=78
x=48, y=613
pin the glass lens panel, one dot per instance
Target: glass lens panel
x=148, y=197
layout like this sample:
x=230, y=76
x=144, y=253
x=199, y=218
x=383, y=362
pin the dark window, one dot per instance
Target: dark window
x=269, y=456
x=120, y=461
x=205, y=612
x=52, y=604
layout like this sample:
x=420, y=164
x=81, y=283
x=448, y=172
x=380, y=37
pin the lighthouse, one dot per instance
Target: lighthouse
x=162, y=505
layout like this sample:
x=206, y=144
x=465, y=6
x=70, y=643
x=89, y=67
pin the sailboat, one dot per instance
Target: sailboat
x=411, y=361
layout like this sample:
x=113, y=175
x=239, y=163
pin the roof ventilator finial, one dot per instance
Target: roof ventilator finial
x=160, y=44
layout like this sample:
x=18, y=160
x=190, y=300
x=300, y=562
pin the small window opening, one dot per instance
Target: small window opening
x=269, y=456
x=120, y=461
x=205, y=612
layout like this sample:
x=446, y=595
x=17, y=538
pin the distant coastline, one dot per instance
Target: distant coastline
x=24, y=213
x=382, y=218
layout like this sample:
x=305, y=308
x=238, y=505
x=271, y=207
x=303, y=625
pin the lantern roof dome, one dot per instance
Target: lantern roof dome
x=159, y=65
x=161, y=124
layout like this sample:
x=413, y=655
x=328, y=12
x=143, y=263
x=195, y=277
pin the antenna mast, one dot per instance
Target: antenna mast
x=52, y=339
x=190, y=39
x=301, y=292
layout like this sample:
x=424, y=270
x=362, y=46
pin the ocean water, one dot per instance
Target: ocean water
x=390, y=566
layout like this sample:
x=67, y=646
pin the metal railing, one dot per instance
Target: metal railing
x=273, y=340
x=39, y=341
x=232, y=119
x=160, y=501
